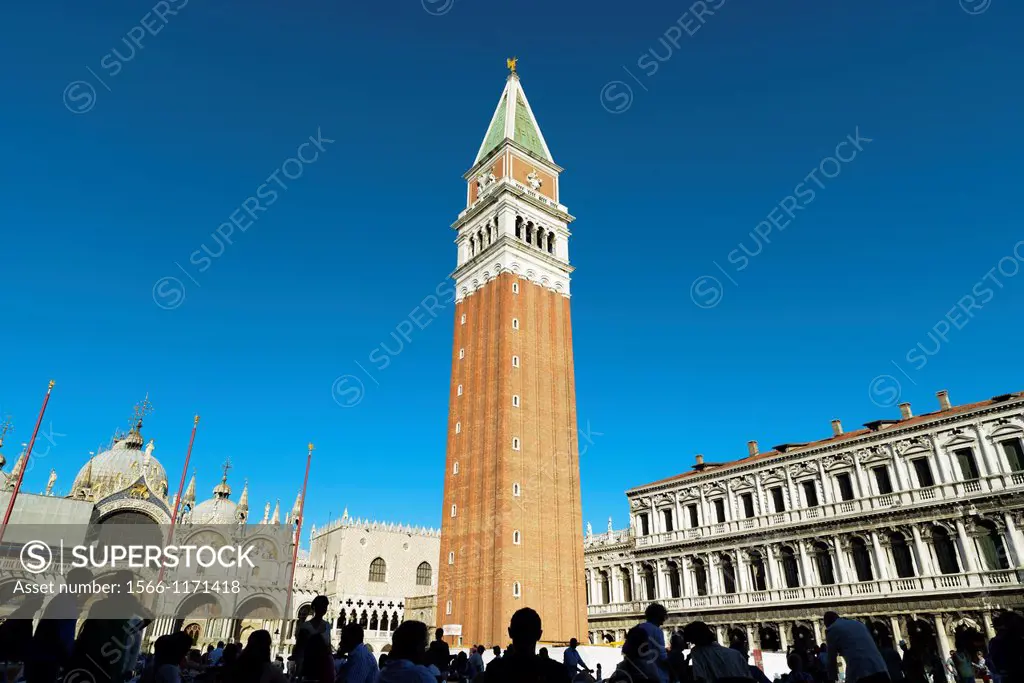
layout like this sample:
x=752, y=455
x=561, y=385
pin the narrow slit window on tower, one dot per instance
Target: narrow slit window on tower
x=517, y=590
x=515, y=400
x=448, y=607
x=516, y=490
x=462, y=353
x=451, y=557
x=459, y=390
x=463, y=319
x=455, y=467
x=515, y=443
x=515, y=361
x=453, y=509
x=458, y=427
x=515, y=287
x=515, y=323
x=516, y=537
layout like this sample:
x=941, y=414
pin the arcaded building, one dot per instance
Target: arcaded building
x=912, y=524
x=511, y=532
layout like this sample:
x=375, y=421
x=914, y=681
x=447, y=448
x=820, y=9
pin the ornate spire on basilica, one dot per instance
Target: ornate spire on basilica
x=133, y=439
x=296, y=509
x=243, y=500
x=190, y=493
x=276, y=519
x=222, y=490
x=5, y=428
x=266, y=513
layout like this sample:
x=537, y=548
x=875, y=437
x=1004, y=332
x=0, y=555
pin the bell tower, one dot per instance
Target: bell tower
x=511, y=534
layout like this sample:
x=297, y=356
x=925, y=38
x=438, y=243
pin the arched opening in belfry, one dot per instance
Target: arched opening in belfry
x=551, y=243
x=519, y=227
x=529, y=232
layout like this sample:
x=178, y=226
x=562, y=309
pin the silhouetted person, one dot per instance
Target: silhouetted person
x=655, y=616
x=678, y=664
x=54, y=639
x=1006, y=649
x=253, y=664
x=216, y=654
x=711, y=661
x=16, y=632
x=497, y=656
x=111, y=633
x=359, y=665
x=573, y=661
x=852, y=640
x=892, y=659
x=476, y=661
x=405, y=661
x=755, y=673
x=313, y=644
x=523, y=665
x=639, y=659
x=169, y=653
x=439, y=654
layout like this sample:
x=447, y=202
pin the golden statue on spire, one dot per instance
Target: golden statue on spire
x=511, y=63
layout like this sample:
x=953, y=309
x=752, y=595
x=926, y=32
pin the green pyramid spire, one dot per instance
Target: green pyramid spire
x=514, y=120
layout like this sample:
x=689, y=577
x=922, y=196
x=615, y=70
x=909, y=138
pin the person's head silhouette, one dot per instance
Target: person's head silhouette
x=409, y=641
x=319, y=605
x=525, y=630
x=656, y=614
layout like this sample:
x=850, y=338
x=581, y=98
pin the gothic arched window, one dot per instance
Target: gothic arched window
x=373, y=621
x=378, y=571
x=424, y=574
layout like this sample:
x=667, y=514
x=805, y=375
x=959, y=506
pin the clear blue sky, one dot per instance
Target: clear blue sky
x=99, y=206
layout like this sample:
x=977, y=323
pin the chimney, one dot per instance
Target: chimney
x=905, y=411
x=700, y=460
x=752, y=448
x=943, y=397
x=837, y=427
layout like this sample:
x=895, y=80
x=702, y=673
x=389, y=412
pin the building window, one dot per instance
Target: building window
x=515, y=489
x=463, y=319
x=458, y=391
x=647, y=579
x=645, y=525
x=789, y=567
x=845, y=485
x=515, y=287
x=424, y=574
x=675, y=587
x=378, y=571
x=823, y=560
x=747, y=499
x=453, y=509
x=515, y=361
x=945, y=551
x=691, y=511
x=448, y=607
x=990, y=543
x=667, y=515
x=778, y=499
x=719, y=511
x=810, y=493
x=901, y=556
x=924, y=473
x=758, y=579
x=1014, y=454
x=451, y=557
x=462, y=353
x=728, y=574
x=968, y=465
x=700, y=577
x=455, y=467
x=882, y=480
x=861, y=560
x=515, y=400
x=458, y=427
x=517, y=590
x=515, y=443
x=516, y=537
x=515, y=323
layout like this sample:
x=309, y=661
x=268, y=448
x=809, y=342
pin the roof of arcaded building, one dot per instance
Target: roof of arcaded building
x=893, y=427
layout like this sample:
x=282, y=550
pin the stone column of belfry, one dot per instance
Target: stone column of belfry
x=512, y=534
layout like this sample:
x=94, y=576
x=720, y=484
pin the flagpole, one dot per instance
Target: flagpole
x=24, y=464
x=298, y=535
x=181, y=488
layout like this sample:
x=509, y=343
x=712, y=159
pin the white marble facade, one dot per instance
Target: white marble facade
x=910, y=523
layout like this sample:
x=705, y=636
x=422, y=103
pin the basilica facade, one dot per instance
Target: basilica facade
x=912, y=525
x=368, y=569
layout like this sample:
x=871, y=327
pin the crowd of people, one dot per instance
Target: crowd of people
x=107, y=649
